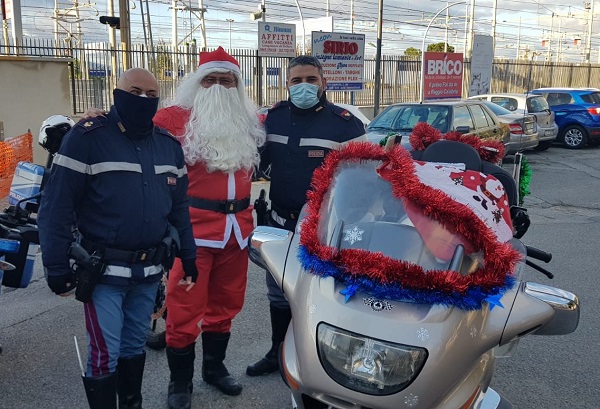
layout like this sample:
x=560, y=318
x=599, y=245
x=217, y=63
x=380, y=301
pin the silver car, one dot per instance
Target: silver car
x=528, y=104
x=523, y=129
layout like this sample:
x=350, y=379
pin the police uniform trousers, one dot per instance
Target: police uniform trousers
x=214, y=301
x=117, y=320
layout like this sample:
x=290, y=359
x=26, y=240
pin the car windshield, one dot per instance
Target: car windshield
x=591, y=98
x=496, y=109
x=537, y=104
x=403, y=118
x=372, y=218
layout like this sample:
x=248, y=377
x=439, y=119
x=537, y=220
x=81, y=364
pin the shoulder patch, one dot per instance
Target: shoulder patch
x=163, y=131
x=341, y=112
x=86, y=125
x=280, y=104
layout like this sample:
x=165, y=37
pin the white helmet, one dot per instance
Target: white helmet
x=52, y=131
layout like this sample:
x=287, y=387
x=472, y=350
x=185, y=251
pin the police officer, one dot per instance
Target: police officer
x=122, y=183
x=300, y=132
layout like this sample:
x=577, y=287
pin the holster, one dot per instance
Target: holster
x=88, y=269
x=167, y=249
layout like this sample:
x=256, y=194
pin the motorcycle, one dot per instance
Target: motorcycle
x=405, y=282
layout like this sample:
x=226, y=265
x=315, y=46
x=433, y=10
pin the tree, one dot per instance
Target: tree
x=439, y=47
x=412, y=52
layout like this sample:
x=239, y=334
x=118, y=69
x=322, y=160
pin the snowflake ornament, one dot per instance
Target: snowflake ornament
x=353, y=235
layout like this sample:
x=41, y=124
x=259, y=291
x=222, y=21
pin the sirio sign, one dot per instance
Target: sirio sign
x=342, y=58
x=443, y=75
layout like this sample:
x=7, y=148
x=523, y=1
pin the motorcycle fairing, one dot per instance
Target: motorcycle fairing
x=369, y=269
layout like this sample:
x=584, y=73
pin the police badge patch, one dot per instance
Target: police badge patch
x=171, y=181
x=316, y=154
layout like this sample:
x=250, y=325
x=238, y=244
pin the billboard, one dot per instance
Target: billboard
x=481, y=65
x=276, y=39
x=443, y=75
x=343, y=58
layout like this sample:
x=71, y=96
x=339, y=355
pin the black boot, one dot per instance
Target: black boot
x=181, y=365
x=280, y=320
x=214, y=345
x=129, y=381
x=101, y=391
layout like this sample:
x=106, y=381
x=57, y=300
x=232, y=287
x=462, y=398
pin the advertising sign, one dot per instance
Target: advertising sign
x=481, y=64
x=443, y=75
x=343, y=58
x=276, y=39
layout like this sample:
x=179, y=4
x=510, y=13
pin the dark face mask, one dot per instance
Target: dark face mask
x=136, y=112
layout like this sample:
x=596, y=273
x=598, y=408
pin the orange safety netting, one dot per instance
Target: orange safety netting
x=12, y=151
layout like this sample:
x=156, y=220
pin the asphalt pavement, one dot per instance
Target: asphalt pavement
x=39, y=367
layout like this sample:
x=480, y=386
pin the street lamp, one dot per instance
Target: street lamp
x=423, y=46
x=229, y=20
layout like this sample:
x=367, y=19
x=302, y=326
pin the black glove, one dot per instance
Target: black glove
x=61, y=284
x=190, y=269
x=520, y=220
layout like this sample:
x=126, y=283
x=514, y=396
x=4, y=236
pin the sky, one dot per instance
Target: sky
x=521, y=26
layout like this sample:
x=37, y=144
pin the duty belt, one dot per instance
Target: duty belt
x=221, y=206
x=127, y=256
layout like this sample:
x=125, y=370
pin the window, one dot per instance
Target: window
x=481, y=120
x=537, y=104
x=462, y=117
x=591, y=98
x=506, y=102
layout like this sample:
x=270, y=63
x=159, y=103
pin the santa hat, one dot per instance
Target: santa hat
x=217, y=61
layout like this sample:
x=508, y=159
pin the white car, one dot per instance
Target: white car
x=528, y=104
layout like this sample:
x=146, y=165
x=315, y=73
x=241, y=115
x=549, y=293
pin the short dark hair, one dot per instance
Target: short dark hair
x=305, y=60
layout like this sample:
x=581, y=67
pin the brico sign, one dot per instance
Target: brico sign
x=443, y=75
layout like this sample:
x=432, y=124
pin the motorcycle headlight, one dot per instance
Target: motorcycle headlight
x=367, y=365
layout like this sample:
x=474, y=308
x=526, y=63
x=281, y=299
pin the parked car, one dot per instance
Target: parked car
x=577, y=114
x=529, y=104
x=523, y=129
x=465, y=116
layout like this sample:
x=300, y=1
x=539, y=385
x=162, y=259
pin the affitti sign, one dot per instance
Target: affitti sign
x=276, y=39
x=343, y=58
x=443, y=75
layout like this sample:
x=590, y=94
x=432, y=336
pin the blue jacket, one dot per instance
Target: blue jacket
x=120, y=192
x=297, y=142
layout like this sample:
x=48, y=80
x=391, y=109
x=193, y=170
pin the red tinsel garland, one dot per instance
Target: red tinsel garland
x=424, y=135
x=398, y=169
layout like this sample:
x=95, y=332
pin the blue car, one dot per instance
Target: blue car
x=577, y=114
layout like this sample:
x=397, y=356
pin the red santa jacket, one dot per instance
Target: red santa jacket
x=212, y=229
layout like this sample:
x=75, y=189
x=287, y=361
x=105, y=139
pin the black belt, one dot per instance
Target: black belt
x=286, y=214
x=109, y=254
x=221, y=206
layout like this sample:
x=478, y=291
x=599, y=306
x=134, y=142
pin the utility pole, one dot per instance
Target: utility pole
x=174, y=44
x=588, y=46
x=377, y=93
x=230, y=20
x=469, y=49
x=202, y=22
x=549, y=57
x=124, y=24
x=4, y=24
x=494, y=10
x=519, y=40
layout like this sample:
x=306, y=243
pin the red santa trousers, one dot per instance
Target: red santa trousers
x=214, y=301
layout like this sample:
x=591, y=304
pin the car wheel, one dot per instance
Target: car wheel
x=542, y=146
x=574, y=137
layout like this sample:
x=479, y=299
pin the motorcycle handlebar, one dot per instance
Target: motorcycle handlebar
x=538, y=254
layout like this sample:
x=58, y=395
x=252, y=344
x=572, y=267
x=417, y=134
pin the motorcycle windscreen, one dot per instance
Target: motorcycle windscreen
x=361, y=212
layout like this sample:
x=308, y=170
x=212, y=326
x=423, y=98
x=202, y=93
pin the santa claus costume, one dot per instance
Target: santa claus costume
x=220, y=134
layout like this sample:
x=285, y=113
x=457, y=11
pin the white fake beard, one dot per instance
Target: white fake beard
x=223, y=131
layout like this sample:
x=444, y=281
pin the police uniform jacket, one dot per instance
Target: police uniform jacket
x=297, y=142
x=121, y=191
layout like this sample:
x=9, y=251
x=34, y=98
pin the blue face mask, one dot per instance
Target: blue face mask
x=304, y=95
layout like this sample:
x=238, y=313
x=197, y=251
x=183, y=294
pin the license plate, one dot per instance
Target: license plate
x=549, y=132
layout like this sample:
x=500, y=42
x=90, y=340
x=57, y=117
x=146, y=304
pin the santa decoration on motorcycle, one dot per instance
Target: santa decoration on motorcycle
x=467, y=203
